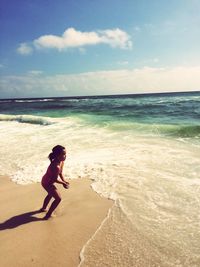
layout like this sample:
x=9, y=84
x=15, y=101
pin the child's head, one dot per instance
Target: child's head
x=58, y=152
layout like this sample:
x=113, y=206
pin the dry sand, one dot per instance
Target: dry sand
x=26, y=240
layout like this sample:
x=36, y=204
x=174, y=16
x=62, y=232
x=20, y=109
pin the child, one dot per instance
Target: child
x=57, y=158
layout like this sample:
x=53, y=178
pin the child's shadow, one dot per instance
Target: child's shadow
x=18, y=220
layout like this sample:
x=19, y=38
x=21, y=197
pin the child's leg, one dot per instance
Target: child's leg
x=46, y=202
x=57, y=198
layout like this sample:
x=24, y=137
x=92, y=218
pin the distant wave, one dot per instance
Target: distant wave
x=26, y=119
x=33, y=100
x=173, y=130
x=187, y=131
x=184, y=131
x=6, y=101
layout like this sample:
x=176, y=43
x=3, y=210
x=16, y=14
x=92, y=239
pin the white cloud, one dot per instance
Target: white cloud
x=24, y=49
x=35, y=72
x=143, y=80
x=73, y=38
x=116, y=38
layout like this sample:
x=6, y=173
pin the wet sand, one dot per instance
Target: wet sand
x=27, y=240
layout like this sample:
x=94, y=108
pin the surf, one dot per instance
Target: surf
x=27, y=119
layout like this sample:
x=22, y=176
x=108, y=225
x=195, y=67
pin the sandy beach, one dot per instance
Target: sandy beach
x=27, y=240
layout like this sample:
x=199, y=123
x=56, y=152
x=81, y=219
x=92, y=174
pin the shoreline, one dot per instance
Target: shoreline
x=27, y=240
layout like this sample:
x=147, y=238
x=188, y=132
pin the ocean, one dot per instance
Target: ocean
x=142, y=151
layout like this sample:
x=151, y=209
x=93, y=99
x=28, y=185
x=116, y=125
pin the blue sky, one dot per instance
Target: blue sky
x=91, y=47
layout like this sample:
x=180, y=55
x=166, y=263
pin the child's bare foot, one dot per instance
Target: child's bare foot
x=47, y=216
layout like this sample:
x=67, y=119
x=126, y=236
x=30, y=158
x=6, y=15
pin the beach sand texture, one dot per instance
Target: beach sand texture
x=26, y=240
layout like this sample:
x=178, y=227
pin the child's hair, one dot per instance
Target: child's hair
x=55, y=152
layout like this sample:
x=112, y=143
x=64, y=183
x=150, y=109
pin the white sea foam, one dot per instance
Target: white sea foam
x=27, y=119
x=82, y=258
x=154, y=179
x=33, y=100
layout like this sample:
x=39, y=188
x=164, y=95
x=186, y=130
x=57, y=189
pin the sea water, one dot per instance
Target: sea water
x=142, y=151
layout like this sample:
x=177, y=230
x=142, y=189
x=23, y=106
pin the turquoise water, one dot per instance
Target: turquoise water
x=141, y=151
x=168, y=114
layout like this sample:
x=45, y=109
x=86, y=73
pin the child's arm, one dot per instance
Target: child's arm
x=55, y=173
x=61, y=174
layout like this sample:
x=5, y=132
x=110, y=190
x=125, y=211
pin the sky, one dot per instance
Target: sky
x=58, y=48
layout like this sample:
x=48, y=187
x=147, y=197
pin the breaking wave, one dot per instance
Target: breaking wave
x=26, y=119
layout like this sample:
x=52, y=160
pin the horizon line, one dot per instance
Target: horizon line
x=109, y=95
